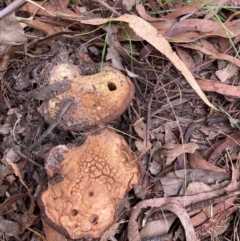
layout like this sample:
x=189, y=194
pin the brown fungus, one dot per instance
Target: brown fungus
x=87, y=184
x=98, y=98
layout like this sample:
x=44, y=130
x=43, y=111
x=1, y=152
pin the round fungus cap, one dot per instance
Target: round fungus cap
x=87, y=184
x=98, y=99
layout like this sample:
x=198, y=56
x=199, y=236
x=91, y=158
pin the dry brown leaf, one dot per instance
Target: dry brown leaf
x=230, y=142
x=200, y=187
x=143, y=146
x=46, y=28
x=154, y=167
x=221, y=88
x=209, y=49
x=151, y=35
x=171, y=186
x=191, y=8
x=50, y=8
x=156, y=228
x=9, y=228
x=140, y=128
x=183, y=148
x=112, y=53
x=169, y=137
x=4, y=206
x=228, y=72
x=125, y=33
x=197, y=162
x=51, y=234
x=211, y=12
x=128, y=4
x=11, y=32
x=208, y=177
x=143, y=14
x=190, y=30
x=186, y=58
x=110, y=232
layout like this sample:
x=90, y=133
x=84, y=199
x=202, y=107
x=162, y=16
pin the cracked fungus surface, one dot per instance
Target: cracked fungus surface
x=94, y=179
x=98, y=98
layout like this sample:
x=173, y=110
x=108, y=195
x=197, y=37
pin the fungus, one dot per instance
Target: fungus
x=87, y=184
x=98, y=98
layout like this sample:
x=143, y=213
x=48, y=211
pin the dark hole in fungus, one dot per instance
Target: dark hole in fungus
x=95, y=219
x=111, y=86
x=74, y=212
x=90, y=194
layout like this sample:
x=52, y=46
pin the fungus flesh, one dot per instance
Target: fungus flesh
x=87, y=184
x=98, y=99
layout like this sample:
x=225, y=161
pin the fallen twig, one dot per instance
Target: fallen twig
x=25, y=157
x=11, y=7
x=107, y=7
x=56, y=122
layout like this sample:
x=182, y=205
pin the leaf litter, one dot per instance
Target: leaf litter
x=182, y=123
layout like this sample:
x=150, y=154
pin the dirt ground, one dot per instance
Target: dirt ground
x=178, y=125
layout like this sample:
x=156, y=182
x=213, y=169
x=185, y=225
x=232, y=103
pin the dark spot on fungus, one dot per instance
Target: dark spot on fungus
x=95, y=219
x=111, y=86
x=74, y=212
x=90, y=194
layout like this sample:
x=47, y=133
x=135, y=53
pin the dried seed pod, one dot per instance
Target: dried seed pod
x=98, y=98
x=87, y=184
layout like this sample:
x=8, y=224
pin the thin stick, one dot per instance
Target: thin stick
x=56, y=122
x=149, y=119
x=11, y=7
x=107, y=7
x=25, y=157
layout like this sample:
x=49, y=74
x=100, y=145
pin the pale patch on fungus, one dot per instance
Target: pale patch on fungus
x=94, y=179
x=98, y=98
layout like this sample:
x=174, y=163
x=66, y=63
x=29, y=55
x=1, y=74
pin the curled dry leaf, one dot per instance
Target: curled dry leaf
x=11, y=32
x=196, y=161
x=221, y=88
x=98, y=98
x=9, y=228
x=141, y=130
x=171, y=186
x=205, y=176
x=157, y=228
x=46, y=28
x=231, y=141
x=200, y=187
x=180, y=149
x=186, y=30
x=92, y=180
x=186, y=58
x=209, y=49
x=52, y=234
x=228, y=72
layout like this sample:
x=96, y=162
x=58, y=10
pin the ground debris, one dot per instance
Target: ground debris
x=182, y=122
